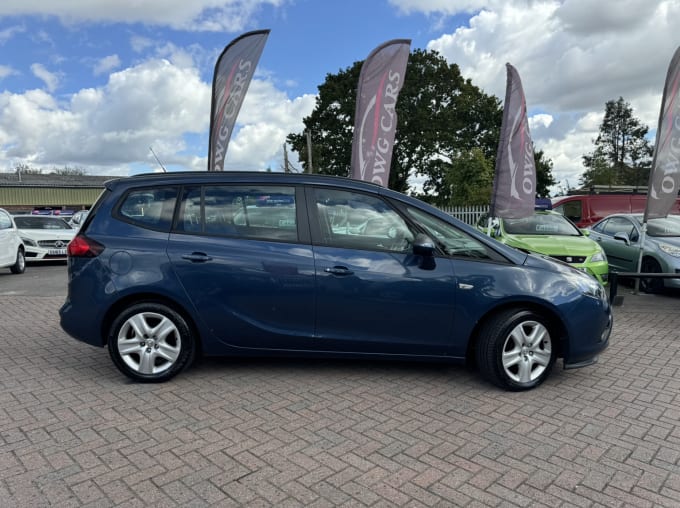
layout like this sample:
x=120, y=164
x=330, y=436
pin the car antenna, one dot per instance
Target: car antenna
x=158, y=160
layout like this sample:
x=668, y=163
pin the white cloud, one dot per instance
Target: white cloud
x=106, y=64
x=267, y=117
x=140, y=44
x=10, y=32
x=50, y=79
x=6, y=70
x=112, y=125
x=109, y=129
x=449, y=7
x=573, y=56
x=203, y=15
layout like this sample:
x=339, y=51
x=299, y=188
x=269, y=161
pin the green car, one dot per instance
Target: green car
x=551, y=234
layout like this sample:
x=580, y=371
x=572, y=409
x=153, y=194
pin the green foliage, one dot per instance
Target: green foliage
x=442, y=117
x=544, y=176
x=468, y=180
x=622, y=154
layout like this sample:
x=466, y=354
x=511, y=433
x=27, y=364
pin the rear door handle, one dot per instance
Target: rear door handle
x=338, y=270
x=197, y=257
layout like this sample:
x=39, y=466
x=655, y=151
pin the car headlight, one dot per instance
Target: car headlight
x=28, y=241
x=598, y=256
x=588, y=285
x=671, y=250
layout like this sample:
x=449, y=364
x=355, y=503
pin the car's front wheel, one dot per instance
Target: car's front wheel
x=150, y=342
x=514, y=350
x=651, y=284
x=19, y=265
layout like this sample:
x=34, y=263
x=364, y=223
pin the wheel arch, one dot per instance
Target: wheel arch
x=149, y=297
x=555, y=325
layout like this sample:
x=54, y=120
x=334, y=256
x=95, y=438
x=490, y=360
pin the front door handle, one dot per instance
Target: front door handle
x=197, y=257
x=338, y=270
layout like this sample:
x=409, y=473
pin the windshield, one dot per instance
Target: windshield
x=31, y=222
x=541, y=224
x=667, y=226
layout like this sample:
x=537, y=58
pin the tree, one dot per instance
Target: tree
x=25, y=169
x=68, y=170
x=622, y=154
x=544, y=176
x=442, y=118
x=468, y=180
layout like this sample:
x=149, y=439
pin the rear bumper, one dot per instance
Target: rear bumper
x=79, y=327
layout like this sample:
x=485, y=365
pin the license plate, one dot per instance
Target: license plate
x=56, y=252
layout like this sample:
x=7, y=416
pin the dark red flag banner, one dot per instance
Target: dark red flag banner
x=514, y=184
x=375, y=122
x=664, y=178
x=233, y=71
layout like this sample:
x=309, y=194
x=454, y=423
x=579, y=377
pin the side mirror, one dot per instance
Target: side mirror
x=423, y=245
x=622, y=237
x=586, y=232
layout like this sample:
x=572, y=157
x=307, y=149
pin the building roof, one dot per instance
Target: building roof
x=52, y=180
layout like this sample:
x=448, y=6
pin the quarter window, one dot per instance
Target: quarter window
x=152, y=208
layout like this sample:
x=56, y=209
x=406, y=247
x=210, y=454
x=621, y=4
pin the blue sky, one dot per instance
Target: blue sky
x=94, y=84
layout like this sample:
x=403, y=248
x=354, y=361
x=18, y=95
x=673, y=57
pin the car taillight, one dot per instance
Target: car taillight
x=83, y=247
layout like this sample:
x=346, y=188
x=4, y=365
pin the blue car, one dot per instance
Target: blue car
x=172, y=265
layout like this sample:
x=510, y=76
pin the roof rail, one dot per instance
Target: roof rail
x=610, y=189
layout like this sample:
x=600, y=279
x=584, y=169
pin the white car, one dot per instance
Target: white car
x=12, y=253
x=45, y=237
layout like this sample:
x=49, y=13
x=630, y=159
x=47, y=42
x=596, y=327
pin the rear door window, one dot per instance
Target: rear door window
x=256, y=212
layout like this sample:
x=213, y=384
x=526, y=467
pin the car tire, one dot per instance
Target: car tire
x=651, y=285
x=150, y=342
x=514, y=350
x=19, y=265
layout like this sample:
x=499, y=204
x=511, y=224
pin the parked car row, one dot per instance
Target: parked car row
x=620, y=235
x=32, y=238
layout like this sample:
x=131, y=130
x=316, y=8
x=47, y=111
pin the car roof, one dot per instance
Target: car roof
x=238, y=176
x=258, y=177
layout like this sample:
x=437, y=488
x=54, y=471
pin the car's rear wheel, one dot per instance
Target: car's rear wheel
x=651, y=284
x=514, y=350
x=19, y=265
x=150, y=342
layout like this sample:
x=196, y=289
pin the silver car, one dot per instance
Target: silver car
x=620, y=237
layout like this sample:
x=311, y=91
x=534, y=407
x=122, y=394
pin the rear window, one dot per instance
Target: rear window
x=150, y=208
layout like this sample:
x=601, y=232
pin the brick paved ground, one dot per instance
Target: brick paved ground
x=74, y=432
